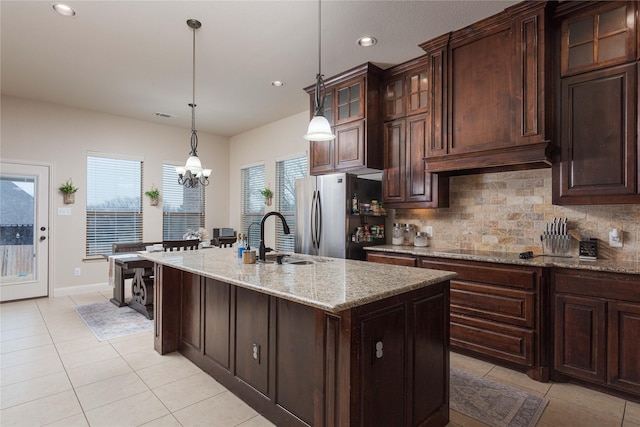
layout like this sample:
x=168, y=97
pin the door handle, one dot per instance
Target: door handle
x=43, y=238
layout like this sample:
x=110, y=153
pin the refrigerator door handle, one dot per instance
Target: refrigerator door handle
x=313, y=219
x=319, y=221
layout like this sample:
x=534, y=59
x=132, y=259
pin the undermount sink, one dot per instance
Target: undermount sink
x=288, y=260
x=297, y=261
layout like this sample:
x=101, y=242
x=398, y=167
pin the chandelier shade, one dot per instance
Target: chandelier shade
x=192, y=173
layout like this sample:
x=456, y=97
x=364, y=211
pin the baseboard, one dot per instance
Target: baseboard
x=82, y=289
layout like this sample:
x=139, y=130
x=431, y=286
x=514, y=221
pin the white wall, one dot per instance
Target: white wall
x=267, y=144
x=40, y=133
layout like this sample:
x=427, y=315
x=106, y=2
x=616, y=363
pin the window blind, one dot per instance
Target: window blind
x=253, y=181
x=114, y=203
x=287, y=171
x=183, y=208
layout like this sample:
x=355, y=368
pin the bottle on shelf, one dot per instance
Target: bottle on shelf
x=355, y=209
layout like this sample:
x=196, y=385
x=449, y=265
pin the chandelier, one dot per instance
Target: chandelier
x=319, y=128
x=192, y=174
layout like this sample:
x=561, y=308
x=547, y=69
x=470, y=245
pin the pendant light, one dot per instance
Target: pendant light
x=319, y=127
x=192, y=174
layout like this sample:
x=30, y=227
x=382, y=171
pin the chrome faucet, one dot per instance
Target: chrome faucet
x=263, y=250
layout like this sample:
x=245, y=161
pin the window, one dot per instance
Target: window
x=287, y=171
x=182, y=208
x=114, y=202
x=252, y=202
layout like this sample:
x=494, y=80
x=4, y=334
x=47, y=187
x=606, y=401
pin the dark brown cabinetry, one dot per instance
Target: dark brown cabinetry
x=498, y=103
x=497, y=312
x=598, y=105
x=406, y=182
x=597, y=328
x=352, y=106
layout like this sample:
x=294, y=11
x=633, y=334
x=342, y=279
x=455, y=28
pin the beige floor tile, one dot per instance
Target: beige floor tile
x=133, y=343
x=630, y=424
x=94, y=372
x=88, y=356
x=78, y=344
x=144, y=359
x=25, y=343
x=103, y=392
x=75, y=421
x=21, y=321
x=37, y=388
x=632, y=412
x=560, y=413
x=474, y=366
x=139, y=409
x=89, y=298
x=222, y=410
x=28, y=371
x=257, y=421
x=459, y=419
x=23, y=306
x=594, y=400
x=518, y=380
x=30, y=331
x=69, y=333
x=50, y=306
x=42, y=411
x=187, y=391
x=29, y=355
x=167, y=372
x=166, y=421
x=64, y=319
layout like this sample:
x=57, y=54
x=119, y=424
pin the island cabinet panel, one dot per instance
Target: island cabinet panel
x=217, y=322
x=597, y=329
x=382, y=363
x=252, y=338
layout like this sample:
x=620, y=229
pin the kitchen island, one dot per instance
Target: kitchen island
x=329, y=342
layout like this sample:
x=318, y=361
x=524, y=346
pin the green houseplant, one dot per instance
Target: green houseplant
x=268, y=196
x=68, y=192
x=154, y=195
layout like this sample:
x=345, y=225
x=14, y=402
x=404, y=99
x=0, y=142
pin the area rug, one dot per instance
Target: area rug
x=494, y=404
x=107, y=321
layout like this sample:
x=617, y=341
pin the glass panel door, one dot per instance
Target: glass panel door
x=24, y=231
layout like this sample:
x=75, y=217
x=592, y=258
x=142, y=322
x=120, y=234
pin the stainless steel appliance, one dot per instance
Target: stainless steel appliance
x=325, y=221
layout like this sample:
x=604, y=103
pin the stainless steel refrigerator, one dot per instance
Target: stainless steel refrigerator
x=325, y=222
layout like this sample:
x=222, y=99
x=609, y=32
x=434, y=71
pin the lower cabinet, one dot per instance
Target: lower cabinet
x=597, y=328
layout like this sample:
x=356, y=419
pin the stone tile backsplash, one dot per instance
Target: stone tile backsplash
x=507, y=212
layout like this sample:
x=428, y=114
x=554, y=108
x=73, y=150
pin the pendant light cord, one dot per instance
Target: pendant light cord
x=319, y=99
x=194, y=135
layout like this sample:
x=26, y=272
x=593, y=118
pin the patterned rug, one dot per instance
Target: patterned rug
x=494, y=404
x=107, y=321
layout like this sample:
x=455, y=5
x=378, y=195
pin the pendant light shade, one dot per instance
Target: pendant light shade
x=319, y=127
x=192, y=174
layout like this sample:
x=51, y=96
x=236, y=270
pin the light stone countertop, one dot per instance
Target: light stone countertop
x=330, y=284
x=513, y=258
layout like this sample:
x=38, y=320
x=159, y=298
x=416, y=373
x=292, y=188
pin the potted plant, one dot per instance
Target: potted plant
x=268, y=196
x=153, y=194
x=68, y=192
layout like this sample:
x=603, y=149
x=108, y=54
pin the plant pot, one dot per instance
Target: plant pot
x=69, y=198
x=153, y=202
x=267, y=200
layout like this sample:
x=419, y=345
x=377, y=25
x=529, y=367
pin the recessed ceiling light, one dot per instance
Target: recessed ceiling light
x=277, y=83
x=63, y=9
x=367, y=41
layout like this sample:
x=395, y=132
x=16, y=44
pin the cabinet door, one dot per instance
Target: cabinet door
x=383, y=368
x=320, y=157
x=394, y=98
x=598, y=138
x=252, y=338
x=349, y=102
x=349, y=145
x=191, y=310
x=418, y=181
x=217, y=339
x=624, y=346
x=393, y=187
x=417, y=92
x=579, y=337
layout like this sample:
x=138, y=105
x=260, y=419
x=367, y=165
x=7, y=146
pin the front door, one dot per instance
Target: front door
x=24, y=231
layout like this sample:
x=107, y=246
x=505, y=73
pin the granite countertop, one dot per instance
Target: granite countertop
x=513, y=258
x=330, y=284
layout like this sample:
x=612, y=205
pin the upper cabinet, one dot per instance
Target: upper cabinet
x=597, y=112
x=495, y=105
x=352, y=106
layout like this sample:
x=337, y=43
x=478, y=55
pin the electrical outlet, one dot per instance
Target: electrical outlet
x=76, y=271
x=429, y=230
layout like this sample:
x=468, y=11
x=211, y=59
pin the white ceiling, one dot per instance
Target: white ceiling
x=133, y=58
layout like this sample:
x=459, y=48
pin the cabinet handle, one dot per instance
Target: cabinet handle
x=379, y=349
x=255, y=351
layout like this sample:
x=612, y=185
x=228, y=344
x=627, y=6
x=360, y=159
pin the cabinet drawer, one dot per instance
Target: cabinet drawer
x=624, y=287
x=406, y=260
x=509, y=306
x=492, y=339
x=511, y=276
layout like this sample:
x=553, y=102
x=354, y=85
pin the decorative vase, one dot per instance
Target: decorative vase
x=69, y=198
x=267, y=200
